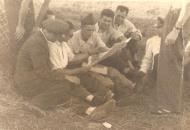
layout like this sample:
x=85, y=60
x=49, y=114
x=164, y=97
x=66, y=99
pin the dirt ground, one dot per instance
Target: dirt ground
x=134, y=116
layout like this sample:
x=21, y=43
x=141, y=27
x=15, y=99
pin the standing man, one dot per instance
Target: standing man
x=21, y=21
x=170, y=64
x=19, y=28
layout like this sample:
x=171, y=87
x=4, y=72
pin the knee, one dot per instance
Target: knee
x=112, y=71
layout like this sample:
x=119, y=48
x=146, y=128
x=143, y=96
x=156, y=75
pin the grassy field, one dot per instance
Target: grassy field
x=135, y=116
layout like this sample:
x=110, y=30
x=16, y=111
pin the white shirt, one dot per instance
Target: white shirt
x=78, y=45
x=152, y=49
x=60, y=54
x=127, y=27
x=107, y=35
x=187, y=48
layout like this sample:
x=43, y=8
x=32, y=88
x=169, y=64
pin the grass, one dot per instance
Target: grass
x=135, y=116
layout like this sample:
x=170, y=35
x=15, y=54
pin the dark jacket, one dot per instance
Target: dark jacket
x=33, y=62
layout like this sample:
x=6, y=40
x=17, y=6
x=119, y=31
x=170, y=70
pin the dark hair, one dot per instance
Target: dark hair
x=123, y=9
x=71, y=25
x=88, y=20
x=49, y=12
x=108, y=13
x=160, y=20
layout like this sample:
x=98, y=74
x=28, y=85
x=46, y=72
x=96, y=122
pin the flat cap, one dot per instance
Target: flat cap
x=56, y=26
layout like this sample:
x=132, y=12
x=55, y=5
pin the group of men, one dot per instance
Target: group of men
x=55, y=63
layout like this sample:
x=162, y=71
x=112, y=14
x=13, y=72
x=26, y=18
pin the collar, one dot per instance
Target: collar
x=99, y=30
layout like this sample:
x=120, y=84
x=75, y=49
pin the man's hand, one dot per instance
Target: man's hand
x=135, y=36
x=20, y=30
x=35, y=29
x=139, y=75
x=171, y=37
x=73, y=79
x=118, y=46
x=85, y=68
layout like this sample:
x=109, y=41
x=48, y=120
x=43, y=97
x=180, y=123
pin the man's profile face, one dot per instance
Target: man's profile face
x=66, y=37
x=52, y=36
x=105, y=22
x=159, y=27
x=120, y=16
x=87, y=31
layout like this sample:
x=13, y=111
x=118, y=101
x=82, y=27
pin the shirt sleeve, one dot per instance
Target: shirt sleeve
x=54, y=57
x=130, y=28
x=147, y=59
x=70, y=53
x=187, y=48
x=99, y=42
x=117, y=36
x=72, y=43
x=184, y=14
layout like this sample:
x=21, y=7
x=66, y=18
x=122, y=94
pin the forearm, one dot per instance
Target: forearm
x=65, y=71
x=23, y=12
x=42, y=13
x=147, y=61
x=99, y=50
x=186, y=58
x=79, y=58
x=72, y=71
x=186, y=61
x=184, y=15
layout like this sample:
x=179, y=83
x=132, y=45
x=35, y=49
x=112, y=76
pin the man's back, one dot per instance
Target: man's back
x=32, y=55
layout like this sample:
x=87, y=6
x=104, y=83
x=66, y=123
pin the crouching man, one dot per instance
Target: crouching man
x=86, y=42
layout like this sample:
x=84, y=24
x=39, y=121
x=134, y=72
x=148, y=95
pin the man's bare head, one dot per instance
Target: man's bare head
x=88, y=26
x=106, y=19
x=121, y=13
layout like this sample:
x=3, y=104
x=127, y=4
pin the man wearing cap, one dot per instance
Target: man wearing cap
x=46, y=81
x=62, y=58
x=34, y=77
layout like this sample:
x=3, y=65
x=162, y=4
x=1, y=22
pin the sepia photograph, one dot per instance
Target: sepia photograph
x=94, y=64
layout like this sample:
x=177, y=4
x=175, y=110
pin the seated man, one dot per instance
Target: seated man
x=35, y=79
x=110, y=36
x=122, y=24
x=105, y=29
x=60, y=57
x=122, y=59
x=86, y=42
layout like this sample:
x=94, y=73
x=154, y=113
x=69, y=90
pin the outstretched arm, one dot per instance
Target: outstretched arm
x=184, y=15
